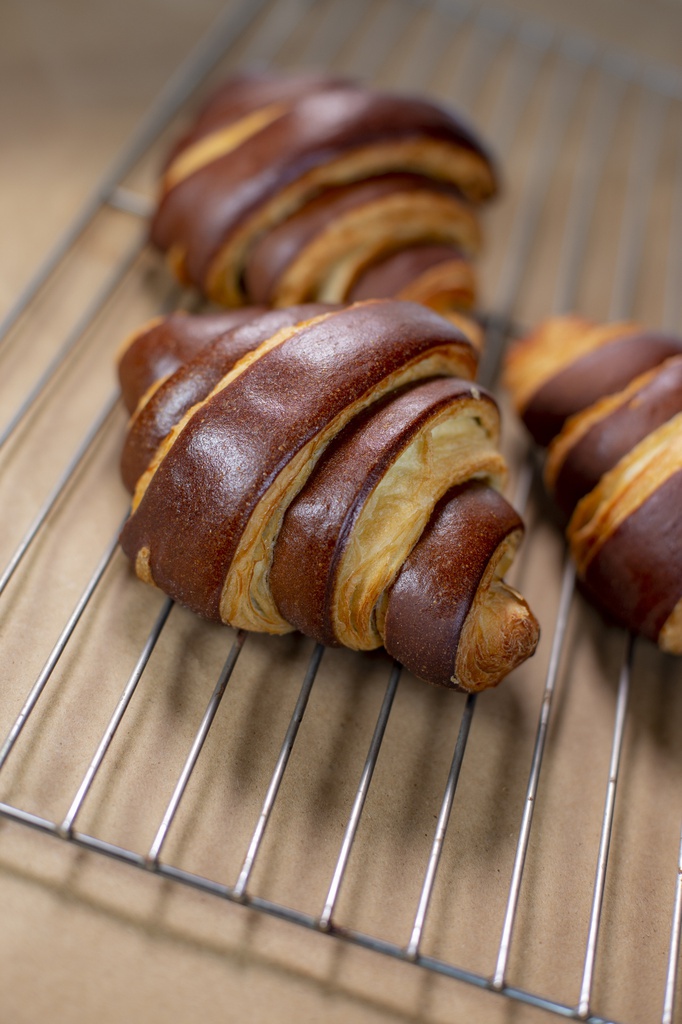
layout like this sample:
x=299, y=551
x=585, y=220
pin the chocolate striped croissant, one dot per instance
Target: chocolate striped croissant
x=331, y=470
x=310, y=188
x=609, y=399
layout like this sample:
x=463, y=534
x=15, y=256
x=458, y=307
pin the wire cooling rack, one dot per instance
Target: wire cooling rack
x=580, y=797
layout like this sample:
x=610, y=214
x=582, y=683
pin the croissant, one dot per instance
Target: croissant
x=289, y=190
x=331, y=470
x=608, y=400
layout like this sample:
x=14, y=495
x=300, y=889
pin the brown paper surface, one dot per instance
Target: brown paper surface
x=84, y=937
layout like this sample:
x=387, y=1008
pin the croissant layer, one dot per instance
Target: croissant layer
x=594, y=441
x=320, y=250
x=433, y=274
x=167, y=343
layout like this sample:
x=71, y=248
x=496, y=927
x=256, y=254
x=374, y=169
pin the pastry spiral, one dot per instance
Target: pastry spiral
x=608, y=401
x=331, y=470
x=289, y=190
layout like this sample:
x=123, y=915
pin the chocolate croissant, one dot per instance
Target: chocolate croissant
x=609, y=399
x=331, y=470
x=289, y=190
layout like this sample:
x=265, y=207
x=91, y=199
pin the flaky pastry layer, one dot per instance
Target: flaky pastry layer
x=623, y=490
x=500, y=632
x=449, y=616
x=457, y=445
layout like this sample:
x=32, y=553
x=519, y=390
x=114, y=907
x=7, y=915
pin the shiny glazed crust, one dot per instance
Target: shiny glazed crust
x=609, y=399
x=212, y=355
x=162, y=345
x=290, y=495
x=308, y=160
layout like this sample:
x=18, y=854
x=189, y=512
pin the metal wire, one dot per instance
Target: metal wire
x=675, y=941
x=597, y=139
x=66, y=827
x=154, y=853
x=567, y=588
x=672, y=309
x=412, y=950
x=91, y=435
x=636, y=204
x=606, y=830
x=74, y=337
x=60, y=646
x=336, y=35
x=239, y=891
x=549, y=138
x=359, y=801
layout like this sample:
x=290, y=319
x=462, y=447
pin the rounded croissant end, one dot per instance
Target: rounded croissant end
x=500, y=633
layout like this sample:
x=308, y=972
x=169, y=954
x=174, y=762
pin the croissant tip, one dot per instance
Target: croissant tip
x=506, y=634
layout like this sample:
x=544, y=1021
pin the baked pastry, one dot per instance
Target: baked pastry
x=307, y=188
x=339, y=478
x=609, y=399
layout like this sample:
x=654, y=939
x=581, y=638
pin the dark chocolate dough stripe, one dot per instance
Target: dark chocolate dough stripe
x=246, y=92
x=318, y=525
x=200, y=499
x=604, y=371
x=195, y=380
x=613, y=436
x=636, y=574
x=439, y=580
x=168, y=344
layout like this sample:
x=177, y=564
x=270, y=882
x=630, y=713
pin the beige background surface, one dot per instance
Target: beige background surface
x=83, y=938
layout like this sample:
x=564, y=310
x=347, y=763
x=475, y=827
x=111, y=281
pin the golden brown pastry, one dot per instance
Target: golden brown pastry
x=311, y=188
x=331, y=470
x=609, y=399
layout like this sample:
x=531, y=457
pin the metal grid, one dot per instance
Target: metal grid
x=501, y=66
